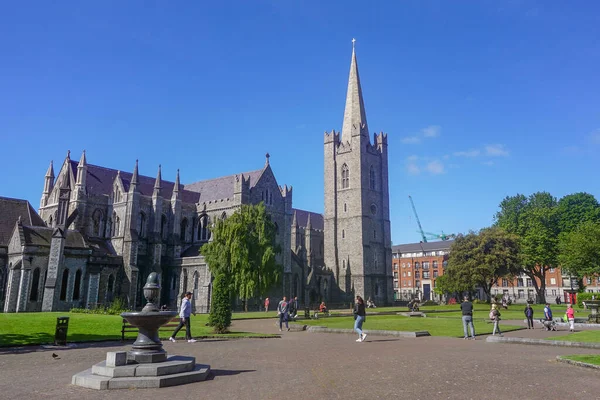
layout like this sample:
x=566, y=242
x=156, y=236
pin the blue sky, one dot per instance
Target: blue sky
x=480, y=99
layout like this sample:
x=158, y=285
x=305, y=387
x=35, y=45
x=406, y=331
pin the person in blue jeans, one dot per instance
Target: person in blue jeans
x=360, y=316
x=282, y=311
x=467, y=318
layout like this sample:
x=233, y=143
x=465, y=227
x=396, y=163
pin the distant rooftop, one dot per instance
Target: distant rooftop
x=418, y=247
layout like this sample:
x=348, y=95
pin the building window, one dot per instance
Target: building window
x=409, y=273
x=520, y=282
x=183, y=230
x=396, y=267
x=404, y=274
x=425, y=264
x=63, y=285
x=110, y=288
x=374, y=234
x=97, y=222
x=343, y=264
x=529, y=283
x=435, y=274
x=343, y=234
x=345, y=177
x=589, y=281
x=445, y=264
x=504, y=282
x=425, y=274
x=35, y=284
x=553, y=281
x=417, y=265
x=408, y=265
x=345, y=207
x=142, y=226
x=395, y=275
x=77, y=285
x=163, y=227
x=409, y=283
x=434, y=264
x=395, y=285
x=372, y=178
x=551, y=270
x=417, y=274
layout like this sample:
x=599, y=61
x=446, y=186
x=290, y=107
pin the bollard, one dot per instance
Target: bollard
x=60, y=336
x=307, y=312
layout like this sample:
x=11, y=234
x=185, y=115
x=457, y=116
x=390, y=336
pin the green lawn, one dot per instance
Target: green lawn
x=585, y=336
x=38, y=328
x=586, y=358
x=435, y=326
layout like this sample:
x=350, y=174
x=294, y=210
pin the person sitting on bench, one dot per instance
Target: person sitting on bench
x=323, y=307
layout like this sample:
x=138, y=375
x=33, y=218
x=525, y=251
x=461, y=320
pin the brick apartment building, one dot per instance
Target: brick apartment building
x=416, y=266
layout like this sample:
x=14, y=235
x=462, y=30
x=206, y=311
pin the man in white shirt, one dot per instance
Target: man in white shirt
x=184, y=313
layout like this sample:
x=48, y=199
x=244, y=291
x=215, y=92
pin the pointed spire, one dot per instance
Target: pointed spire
x=176, y=187
x=308, y=223
x=50, y=172
x=267, y=156
x=295, y=220
x=68, y=154
x=355, y=117
x=157, y=184
x=135, y=177
x=82, y=160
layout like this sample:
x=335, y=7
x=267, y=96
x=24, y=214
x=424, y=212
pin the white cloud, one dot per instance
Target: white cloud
x=413, y=169
x=496, y=150
x=431, y=131
x=411, y=140
x=412, y=158
x=435, y=167
x=468, y=153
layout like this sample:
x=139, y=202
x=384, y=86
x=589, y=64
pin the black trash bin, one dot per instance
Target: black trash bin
x=307, y=312
x=60, y=336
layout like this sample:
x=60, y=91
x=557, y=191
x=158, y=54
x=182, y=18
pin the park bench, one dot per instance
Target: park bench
x=127, y=327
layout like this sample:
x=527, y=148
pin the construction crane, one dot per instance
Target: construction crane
x=418, y=222
x=441, y=236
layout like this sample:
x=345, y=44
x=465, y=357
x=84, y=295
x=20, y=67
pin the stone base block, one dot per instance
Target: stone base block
x=116, y=358
x=88, y=380
x=199, y=373
x=147, y=358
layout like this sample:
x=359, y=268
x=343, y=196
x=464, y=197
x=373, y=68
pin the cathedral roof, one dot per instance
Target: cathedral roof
x=315, y=219
x=100, y=180
x=42, y=236
x=10, y=211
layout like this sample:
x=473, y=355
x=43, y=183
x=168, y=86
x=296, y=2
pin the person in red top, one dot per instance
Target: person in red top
x=323, y=307
x=571, y=317
x=266, y=304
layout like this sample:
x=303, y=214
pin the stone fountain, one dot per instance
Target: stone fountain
x=146, y=365
x=594, y=317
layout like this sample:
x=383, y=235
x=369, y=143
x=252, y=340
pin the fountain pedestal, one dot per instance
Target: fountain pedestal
x=594, y=316
x=146, y=365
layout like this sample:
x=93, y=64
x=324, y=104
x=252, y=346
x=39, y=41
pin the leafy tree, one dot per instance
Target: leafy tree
x=575, y=209
x=535, y=221
x=220, y=310
x=580, y=250
x=479, y=260
x=244, y=249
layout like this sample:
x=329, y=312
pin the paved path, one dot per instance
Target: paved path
x=302, y=365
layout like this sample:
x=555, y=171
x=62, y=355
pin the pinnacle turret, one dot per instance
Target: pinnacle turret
x=355, y=117
x=135, y=176
x=50, y=172
x=176, y=187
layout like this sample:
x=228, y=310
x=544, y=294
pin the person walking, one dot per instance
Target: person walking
x=548, y=317
x=495, y=316
x=267, y=304
x=467, y=317
x=282, y=311
x=571, y=317
x=360, y=316
x=184, y=313
x=529, y=316
x=294, y=308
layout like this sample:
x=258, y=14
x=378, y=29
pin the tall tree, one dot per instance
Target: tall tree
x=479, y=260
x=244, y=248
x=580, y=250
x=535, y=221
x=573, y=209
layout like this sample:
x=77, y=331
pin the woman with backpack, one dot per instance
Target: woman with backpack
x=495, y=316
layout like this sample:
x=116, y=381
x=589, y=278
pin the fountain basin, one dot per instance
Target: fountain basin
x=147, y=347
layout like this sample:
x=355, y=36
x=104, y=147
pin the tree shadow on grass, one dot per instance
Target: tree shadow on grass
x=40, y=342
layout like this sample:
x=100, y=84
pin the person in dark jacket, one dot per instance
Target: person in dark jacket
x=529, y=315
x=359, y=317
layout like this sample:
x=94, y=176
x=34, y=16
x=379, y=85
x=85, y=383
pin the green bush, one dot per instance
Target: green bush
x=117, y=307
x=585, y=297
x=220, y=310
x=430, y=303
x=477, y=301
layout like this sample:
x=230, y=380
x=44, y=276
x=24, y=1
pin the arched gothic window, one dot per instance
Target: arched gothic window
x=345, y=176
x=97, y=223
x=196, y=280
x=183, y=230
x=203, y=232
x=142, y=225
x=35, y=285
x=110, y=288
x=163, y=226
x=77, y=285
x=372, y=178
x=63, y=285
